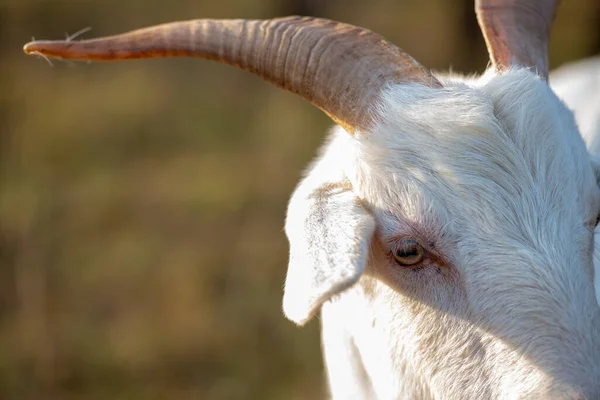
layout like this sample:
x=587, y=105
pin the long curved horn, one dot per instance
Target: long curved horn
x=339, y=68
x=517, y=32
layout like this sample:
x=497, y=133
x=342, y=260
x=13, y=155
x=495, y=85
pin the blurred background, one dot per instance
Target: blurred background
x=142, y=254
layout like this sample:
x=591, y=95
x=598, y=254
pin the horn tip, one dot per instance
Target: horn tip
x=46, y=48
x=36, y=47
x=31, y=47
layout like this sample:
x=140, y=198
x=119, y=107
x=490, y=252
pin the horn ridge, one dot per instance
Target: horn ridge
x=338, y=67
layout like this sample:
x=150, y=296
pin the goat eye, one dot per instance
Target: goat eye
x=409, y=254
x=597, y=220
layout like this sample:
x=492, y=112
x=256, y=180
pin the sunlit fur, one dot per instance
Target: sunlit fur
x=492, y=175
x=578, y=85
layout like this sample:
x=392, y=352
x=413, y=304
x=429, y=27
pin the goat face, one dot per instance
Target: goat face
x=466, y=217
x=450, y=235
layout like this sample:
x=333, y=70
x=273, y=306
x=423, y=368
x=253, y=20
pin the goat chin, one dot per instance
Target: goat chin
x=491, y=179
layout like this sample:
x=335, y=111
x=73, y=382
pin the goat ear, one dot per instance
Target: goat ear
x=330, y=234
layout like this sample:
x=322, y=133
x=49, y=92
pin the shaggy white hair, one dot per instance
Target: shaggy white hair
x=491, y=177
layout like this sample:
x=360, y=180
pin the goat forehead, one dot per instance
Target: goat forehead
x=504, y=146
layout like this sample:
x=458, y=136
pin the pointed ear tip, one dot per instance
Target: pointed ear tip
x=300, y=321
x=297, y=313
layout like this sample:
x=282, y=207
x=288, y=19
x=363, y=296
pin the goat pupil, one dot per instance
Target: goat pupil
x=407, y=253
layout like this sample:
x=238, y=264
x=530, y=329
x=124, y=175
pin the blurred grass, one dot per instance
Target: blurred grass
x=141, y=204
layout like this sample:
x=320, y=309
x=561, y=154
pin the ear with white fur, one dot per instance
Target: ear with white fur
x=330, y=233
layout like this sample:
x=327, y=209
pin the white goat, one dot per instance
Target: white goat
x=446, y=230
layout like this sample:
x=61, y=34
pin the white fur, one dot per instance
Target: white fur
x=578, y=85
x=492, y=175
